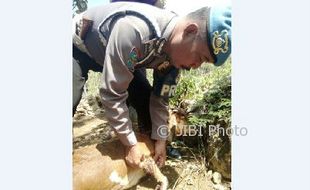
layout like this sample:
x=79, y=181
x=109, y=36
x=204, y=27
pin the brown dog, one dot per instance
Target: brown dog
x=102, y=166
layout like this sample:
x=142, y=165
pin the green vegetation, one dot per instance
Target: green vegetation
x=93, y=83
x=209, y=88
x=205, y=94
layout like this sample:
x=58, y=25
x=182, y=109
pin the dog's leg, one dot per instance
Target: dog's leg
x=150, y=167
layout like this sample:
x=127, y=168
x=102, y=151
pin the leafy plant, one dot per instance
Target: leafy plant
x=210, y=89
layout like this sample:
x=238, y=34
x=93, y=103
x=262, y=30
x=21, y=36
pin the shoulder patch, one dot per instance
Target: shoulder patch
x=152, y=49
x=134, y=57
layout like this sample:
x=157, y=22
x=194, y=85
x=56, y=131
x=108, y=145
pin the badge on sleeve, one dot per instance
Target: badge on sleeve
x=134, y=57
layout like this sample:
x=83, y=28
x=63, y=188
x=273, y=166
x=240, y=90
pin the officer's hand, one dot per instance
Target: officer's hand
x=133, y=156
x=160, y=152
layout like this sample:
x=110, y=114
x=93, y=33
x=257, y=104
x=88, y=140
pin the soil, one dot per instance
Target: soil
x=188, y=173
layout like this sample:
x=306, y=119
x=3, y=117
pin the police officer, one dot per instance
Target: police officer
x=120, y=39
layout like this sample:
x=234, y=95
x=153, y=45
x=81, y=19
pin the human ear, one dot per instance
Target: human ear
x=191, y=28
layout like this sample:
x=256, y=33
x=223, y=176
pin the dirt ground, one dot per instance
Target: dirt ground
x=188, y=173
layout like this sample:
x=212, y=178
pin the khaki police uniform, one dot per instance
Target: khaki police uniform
x=121, y=39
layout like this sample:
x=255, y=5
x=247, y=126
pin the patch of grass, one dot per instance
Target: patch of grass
x=93, y=83
x=196, y=84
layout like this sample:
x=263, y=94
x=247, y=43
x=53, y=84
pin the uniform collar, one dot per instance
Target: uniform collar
x=169, y=28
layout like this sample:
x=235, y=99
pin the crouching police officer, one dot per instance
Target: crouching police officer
x=122, y=39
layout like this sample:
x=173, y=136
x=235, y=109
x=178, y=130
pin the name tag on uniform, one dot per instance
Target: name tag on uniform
x=165, y=82
x=168, y=90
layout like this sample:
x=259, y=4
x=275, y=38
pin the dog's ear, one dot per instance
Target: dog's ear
x=177, y=120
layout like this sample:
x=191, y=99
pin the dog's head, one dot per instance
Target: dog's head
x=176, y=123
